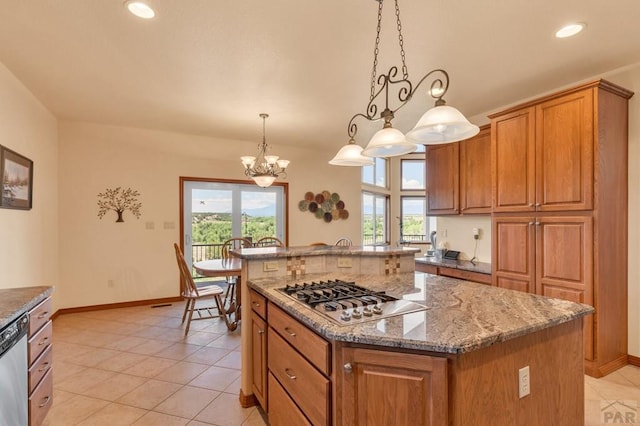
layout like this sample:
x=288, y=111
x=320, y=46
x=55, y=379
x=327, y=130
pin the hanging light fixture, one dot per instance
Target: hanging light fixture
x=351, y=155
x=264, y=169
x=440, y=124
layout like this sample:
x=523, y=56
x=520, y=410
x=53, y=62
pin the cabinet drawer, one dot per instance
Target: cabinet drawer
x=429, y=269
x=465, y=275
x=307, y=387
x=39, y=342
x=258, y=303
x=41, y=400
x=309, y=344
x=39, y=315
x=39, y=368
x=283, y=410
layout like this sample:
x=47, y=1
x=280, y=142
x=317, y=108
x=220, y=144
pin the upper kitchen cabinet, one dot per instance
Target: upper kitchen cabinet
x=458, y=176
x=543, y=153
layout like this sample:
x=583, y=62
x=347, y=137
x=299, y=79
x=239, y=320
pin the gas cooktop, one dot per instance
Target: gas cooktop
x=344, y=302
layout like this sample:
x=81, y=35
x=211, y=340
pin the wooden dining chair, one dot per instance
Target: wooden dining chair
x=192, y=294
x=345, y=242
x=269, y=242
x=227, y=246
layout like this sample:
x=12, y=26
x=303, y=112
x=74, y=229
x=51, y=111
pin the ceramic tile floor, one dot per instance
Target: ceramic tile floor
x=133, y=366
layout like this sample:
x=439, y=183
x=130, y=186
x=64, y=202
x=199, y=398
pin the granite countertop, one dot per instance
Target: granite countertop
x=480, y=267
x=16, y=301
x=276, y=252
x=461, y=316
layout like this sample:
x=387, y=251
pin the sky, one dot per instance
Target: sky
x=258, y=203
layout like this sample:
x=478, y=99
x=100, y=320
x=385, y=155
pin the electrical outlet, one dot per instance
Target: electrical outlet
x=269, y=266
x=524, y=382
x=344, y=262
x=476, y=233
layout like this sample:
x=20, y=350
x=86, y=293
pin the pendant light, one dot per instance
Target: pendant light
x=264, y=169
x=440, y=124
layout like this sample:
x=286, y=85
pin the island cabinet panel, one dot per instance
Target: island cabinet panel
x=259, y=359
x=458, y=176
x=392, y=388
x=442, y=179
x=475, y=173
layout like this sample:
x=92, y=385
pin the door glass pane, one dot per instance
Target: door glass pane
x=414, y=221
x=381, y=218
x=211, y=222
x=367, y=219
x=258, y=215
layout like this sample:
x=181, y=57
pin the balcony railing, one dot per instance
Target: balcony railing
x=206, y=251
x=368, y=240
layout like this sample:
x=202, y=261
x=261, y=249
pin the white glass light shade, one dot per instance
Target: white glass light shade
x=283, y=163
x=264, y=181
x=351, y=155
x=388, y=142
x=248, y=161
x=271, y=159
x=140, y=9
x=440, y=125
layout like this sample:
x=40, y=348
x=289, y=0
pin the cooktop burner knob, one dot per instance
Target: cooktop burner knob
x=345, y=316
x=366, y=311
x=356, y=314
x=377, y=310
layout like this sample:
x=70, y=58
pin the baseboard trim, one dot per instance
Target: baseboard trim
x=599, y=371
x=634, y=360
x=247, y=401
x=116, y=305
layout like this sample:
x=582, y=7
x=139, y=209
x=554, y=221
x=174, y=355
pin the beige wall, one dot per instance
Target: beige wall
x=29, y=238
x=139, y=262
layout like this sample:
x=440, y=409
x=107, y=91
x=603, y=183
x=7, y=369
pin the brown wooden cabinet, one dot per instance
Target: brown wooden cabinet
x=458, y=176
x=391, y=388
x=542, y=155
x=259, y=348
x=559, y=175
x=40, y=360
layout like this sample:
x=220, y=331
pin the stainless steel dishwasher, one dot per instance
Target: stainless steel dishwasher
x=14, y=397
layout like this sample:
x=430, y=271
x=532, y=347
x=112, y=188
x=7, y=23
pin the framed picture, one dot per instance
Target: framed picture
x=17, y=180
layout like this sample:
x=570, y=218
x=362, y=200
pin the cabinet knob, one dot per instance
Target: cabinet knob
x=530, y=223
x=348, y=368
x=289, y=332
x=290, y=374
x=530, y=204
x=260, y=331
x=537, y=204
x=537, y=223
x=45, y=401
x=256, y=304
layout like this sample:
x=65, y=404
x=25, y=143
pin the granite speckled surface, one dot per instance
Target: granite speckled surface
x=16, y=301
x=480, y=267
x=276, y=252
x=460, y=317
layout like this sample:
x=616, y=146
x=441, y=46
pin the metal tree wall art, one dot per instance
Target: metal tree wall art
x=119, y=200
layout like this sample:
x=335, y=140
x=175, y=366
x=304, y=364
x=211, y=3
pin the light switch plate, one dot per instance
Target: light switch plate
x=344, y=262
x=269, y=266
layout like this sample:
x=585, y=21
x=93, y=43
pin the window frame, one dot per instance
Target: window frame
x=387, y=209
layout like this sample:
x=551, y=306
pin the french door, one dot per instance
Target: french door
x=215, y=210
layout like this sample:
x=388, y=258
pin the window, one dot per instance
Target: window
x=412, y=174
x=376, y=174
x=375, y=209
x=414, y=224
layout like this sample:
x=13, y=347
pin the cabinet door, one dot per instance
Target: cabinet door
x=259, y=358
x=513, y=160
x=442, y=179
x=564, y=248
x=389, y=388
x=475, y=173
x=514, y=253
x=564, y=143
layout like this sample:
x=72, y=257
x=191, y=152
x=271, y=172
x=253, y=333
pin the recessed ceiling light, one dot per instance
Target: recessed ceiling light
x=140, y=9
x=570, y=30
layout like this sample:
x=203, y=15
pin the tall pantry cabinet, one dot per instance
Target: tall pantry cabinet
x=559, y=184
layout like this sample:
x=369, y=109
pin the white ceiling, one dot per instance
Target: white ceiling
x=209, y=67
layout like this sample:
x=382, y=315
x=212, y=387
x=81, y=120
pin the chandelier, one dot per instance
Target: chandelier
x=264, y=169
x=439, y=125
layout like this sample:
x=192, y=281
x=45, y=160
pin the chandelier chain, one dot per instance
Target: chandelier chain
x=375, y=52
x=405, y=71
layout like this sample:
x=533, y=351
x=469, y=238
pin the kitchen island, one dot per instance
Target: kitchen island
x=457, y=362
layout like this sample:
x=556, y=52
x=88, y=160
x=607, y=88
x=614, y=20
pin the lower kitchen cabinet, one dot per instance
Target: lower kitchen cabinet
x=390, y=388
x=259, y=361
x=283, y=412
x=40, y=362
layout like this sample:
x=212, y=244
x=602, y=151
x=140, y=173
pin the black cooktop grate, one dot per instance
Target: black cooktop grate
x=335, y=294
